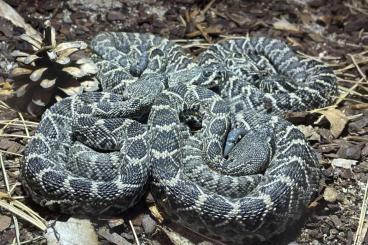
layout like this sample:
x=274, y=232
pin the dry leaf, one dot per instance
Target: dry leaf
x=155, y=213
x=337, y=119
x=6, y=88
x=285, y=25
x=343, y=163
x=7, y=12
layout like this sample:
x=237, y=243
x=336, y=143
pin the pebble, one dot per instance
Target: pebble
x=365, y=150
x=359, y=124
x=333, y=232
x=5, y=222
x=350, y=151
x=149, y=224
x=315, y=242
x=115, y=15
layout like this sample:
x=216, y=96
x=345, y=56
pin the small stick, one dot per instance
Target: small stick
x=134, y=233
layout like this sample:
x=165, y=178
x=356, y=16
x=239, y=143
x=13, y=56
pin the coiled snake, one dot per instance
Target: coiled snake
x=220, y=164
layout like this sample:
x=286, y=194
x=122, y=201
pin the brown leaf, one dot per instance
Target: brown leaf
x=337, y=119
x=6, y=87
x=285, y=25
x=155, y=213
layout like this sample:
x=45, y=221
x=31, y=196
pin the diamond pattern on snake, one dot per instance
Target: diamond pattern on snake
x=208, y=131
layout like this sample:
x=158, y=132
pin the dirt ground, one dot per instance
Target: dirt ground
x=335, y=32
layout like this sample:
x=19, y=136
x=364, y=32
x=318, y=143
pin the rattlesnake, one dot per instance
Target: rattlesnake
x=163, y=113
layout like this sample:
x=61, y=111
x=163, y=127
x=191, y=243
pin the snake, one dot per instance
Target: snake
x=205, y=134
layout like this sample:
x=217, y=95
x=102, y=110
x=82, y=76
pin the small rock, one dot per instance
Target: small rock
x=7, y=236
x=15, y=147
x=345, y=173
x=350, y=151
x=326, y=134
x=330, y=194
x=74, y=231
x=115, y=15
x=336, y=221
x=365, y=151
x=329, y=173
x=66, y=17
x=5, y=144
x=364, y=166
x=149, y=224
x=359, y=124
x=315, y=242
x=5, y=222
x=333, y=232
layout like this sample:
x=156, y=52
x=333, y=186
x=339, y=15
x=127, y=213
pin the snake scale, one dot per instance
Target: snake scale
x=206, y=135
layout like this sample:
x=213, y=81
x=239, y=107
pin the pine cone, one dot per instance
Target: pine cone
x=50, y=73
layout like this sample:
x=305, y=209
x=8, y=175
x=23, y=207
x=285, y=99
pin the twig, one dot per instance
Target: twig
x=14, y=123
x=15, y=136
x=358, y=9
x=361, y=106
x=358, y=67
x=11, y=153
x=32, y=240
x=196, y=45
x=358, y=235
x=357, y=138
x=208, y=6
x=134, y=233
x=24, y=123
x=6, y=181
x=204, y=34
x=352, y=92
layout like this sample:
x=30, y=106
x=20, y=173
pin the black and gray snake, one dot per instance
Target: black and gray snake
x=205, y=134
